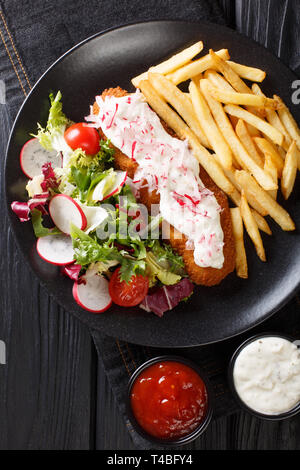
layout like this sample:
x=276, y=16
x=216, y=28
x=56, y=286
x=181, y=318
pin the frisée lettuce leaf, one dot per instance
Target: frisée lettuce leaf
x=88, y=250
x=56, y=125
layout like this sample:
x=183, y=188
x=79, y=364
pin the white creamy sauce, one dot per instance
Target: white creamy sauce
x=166, y=165
x=267, y=375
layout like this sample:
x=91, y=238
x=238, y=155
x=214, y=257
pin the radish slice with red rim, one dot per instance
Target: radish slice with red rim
x=33, y=156
x=100, y=194
x=93, y=295
x=56, y=249
x=95, y=215
x=64, y=211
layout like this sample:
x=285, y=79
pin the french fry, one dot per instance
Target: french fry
x=180, y=102
x=237, y=83
x=250, y=186
x=256, y=209
x=253, y=131
x=270, y=168
x=255, y=121
x=184, y=132
x=171, y=64
x=249, y=73
x=273, y=119
x=289, y=122
x=282, y=152
x=164, y=111
x=251, y=227
x=268, y=149
x=231, y=76
x=195, y=67
x=289, y=171
x=243, y=134
x=234, y=121
x=212, y=131
x=217, y=80
x=233, y=97
x=240, y=253
x=261, y=222
x=237, y=148
x=197, y=78
x=230, y=174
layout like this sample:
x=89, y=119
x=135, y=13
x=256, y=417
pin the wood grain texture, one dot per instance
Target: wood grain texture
x=46, y=399
x=274, y=24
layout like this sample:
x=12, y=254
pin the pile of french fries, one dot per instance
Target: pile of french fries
x=249, y=144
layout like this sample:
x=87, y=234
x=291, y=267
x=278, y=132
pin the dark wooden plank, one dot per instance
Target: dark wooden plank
x=46, y=395
x=247, y=433
x=111, y=432
x=273, y=23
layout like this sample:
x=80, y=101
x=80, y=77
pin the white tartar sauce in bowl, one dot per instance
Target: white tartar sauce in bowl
x=266, y=375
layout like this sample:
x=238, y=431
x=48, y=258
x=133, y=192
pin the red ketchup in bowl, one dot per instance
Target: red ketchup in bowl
x=169, y=400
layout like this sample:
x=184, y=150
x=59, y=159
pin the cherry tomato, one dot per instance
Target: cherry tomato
x=82, y=136
x=128, y=295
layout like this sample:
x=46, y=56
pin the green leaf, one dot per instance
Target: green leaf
x=106, y=153
x=168, y=258
x=39, y=229
x=81, y=178
x=88, y=250
x=86, y=171
x=131, y=267
x=154, y=270
x=56, y=123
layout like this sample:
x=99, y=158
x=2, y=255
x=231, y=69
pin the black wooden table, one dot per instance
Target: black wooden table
x=54, y=393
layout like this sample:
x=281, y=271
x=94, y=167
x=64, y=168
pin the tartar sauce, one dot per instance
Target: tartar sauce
x=266, y=375
x=167, y=165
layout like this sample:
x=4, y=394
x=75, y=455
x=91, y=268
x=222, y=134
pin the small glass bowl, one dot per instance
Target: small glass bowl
x=184, y=439
x=270, y=417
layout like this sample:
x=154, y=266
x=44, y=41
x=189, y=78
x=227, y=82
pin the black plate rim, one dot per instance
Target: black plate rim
x=271, y=312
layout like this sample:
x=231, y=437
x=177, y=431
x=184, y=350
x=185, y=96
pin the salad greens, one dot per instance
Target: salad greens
x=56, y=124
x=134, y=254
x=38, y=227
x=110, y=243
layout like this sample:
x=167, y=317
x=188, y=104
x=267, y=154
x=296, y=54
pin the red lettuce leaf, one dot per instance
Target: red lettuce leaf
x=72, y=271
x=167, y=297
x=23, y=209
x=50, y=180
x=38, y=202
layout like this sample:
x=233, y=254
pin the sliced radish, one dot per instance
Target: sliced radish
x=95, y=215
x=64, y=210
x=93, y=295
x=33, y=156
x=100, y=193
x=56, y=249
x=132, y=185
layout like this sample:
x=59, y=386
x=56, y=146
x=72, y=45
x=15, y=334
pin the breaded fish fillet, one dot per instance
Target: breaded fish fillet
x=202, y=276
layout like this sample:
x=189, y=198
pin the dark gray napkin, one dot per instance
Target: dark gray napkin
x=120, y=360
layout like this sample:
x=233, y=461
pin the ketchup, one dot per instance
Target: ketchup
x=169, y=400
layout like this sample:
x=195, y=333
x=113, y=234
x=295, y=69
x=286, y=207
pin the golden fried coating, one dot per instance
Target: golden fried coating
x=202, y=276
x=209, y=276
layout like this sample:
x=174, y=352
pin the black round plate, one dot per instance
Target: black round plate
x=112, y=58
